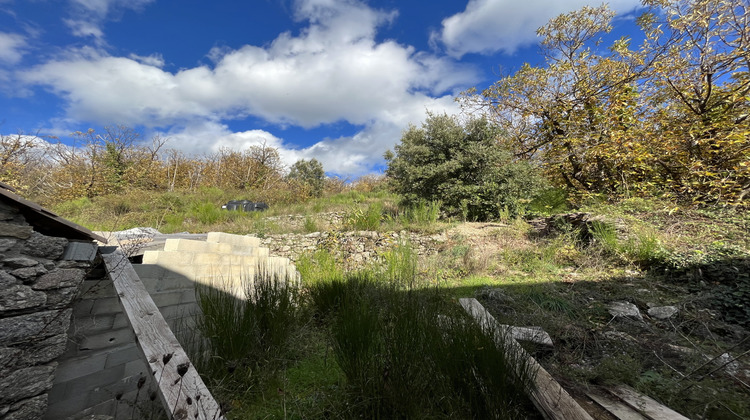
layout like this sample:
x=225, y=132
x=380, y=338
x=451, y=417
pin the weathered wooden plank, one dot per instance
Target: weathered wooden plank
x=546, y=394
x=616, y=408
x=644, y=404
x=181, y=389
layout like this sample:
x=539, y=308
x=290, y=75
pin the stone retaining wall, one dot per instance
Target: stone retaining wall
x=356, y=248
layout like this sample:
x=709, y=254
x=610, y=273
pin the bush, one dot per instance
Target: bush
x=463, y=166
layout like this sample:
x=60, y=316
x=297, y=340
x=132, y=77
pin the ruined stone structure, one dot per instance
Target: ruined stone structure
x=43, y=263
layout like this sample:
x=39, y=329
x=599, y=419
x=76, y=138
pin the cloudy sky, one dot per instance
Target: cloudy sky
x=336, y=80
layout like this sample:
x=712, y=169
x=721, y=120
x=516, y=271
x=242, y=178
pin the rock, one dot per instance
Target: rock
x=43, y=246
x=23, y=328
x=136, y=233
x=29, y=409
x=20, y=297
x=28, y=273
x=7, y=243
x=15, y=231
x=60, y=298
x=626, y=310
x=66, y=277
x=26, y=383
x=663, y=312
x=35, y=352
x=6, y=280
x=19, y=262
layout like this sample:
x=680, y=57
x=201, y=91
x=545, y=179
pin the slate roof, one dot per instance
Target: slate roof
x=45, y=221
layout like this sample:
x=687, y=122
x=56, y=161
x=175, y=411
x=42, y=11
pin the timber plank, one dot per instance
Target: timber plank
x=180, y=387
x=547, y=395
x=616, y=408
x=644, y=404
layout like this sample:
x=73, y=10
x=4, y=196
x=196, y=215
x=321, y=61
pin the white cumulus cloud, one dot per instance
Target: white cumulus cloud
x=331, y=71
x=12, y=47
x=489, y=26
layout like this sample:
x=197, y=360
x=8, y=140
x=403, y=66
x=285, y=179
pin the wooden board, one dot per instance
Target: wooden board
x=547, y=395
x=616, y=408
x=181, y=389
x=644, y=404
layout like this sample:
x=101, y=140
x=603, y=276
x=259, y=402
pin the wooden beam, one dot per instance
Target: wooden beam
x=547, y=395
x=180, y=387
x=644, y=404
x=618, y=409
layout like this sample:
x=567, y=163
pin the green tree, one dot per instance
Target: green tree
x=698, y=97
x=309, y=174
x=461, y=165
x=577, y=113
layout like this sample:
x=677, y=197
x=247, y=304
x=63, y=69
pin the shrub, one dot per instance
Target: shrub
x=464, y=166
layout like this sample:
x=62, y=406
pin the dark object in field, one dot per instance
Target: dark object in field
x=244, y=205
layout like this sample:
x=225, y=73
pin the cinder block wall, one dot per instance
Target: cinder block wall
x=102, y=371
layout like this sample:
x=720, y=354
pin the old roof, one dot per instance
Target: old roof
x=45, y=221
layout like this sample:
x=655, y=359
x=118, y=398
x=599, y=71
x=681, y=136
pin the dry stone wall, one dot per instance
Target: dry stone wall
x=356, y=248
x=37, y=287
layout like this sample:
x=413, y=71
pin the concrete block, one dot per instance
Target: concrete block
x=107, y=340
x=167, y=298
x=174, y=260
x=187, y=245
x=123, y=355
x=236, y=240
x=212, y=259
x=149, y=271
x=93, y=323
x=244, y=260
x=106, y=306
x=71, y=369
x=172, y=282
x=95, y=289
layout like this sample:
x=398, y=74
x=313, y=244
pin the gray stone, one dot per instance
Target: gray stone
x=35, y=352
x=15, y=231
x=19, y=262
x=6, y=280
x=20, y=297
x=29, y=409
x=7, y=243
x=26, y=383
x=60, y=298
x=66, y=277
x=625, y=310
x=663, y=312
x=24, y=328
x=28, y=273
x=43, y=246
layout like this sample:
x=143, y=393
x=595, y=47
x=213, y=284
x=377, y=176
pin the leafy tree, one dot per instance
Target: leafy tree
x=462, y=165
x=577, y=113
x=671, y=116
x=309, y=174
x=698, y=97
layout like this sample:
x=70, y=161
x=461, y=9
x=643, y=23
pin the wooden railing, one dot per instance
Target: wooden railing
x=179, y=386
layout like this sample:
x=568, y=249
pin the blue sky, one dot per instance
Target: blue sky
x=335, y=80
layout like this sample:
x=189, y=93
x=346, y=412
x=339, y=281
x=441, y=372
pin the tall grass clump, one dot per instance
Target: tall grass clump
x=365, y=219
x=414, y=354
x=400, y=265
x=421, y=213
x=245, y=341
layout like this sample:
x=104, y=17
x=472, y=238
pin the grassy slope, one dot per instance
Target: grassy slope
x=695, y=260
